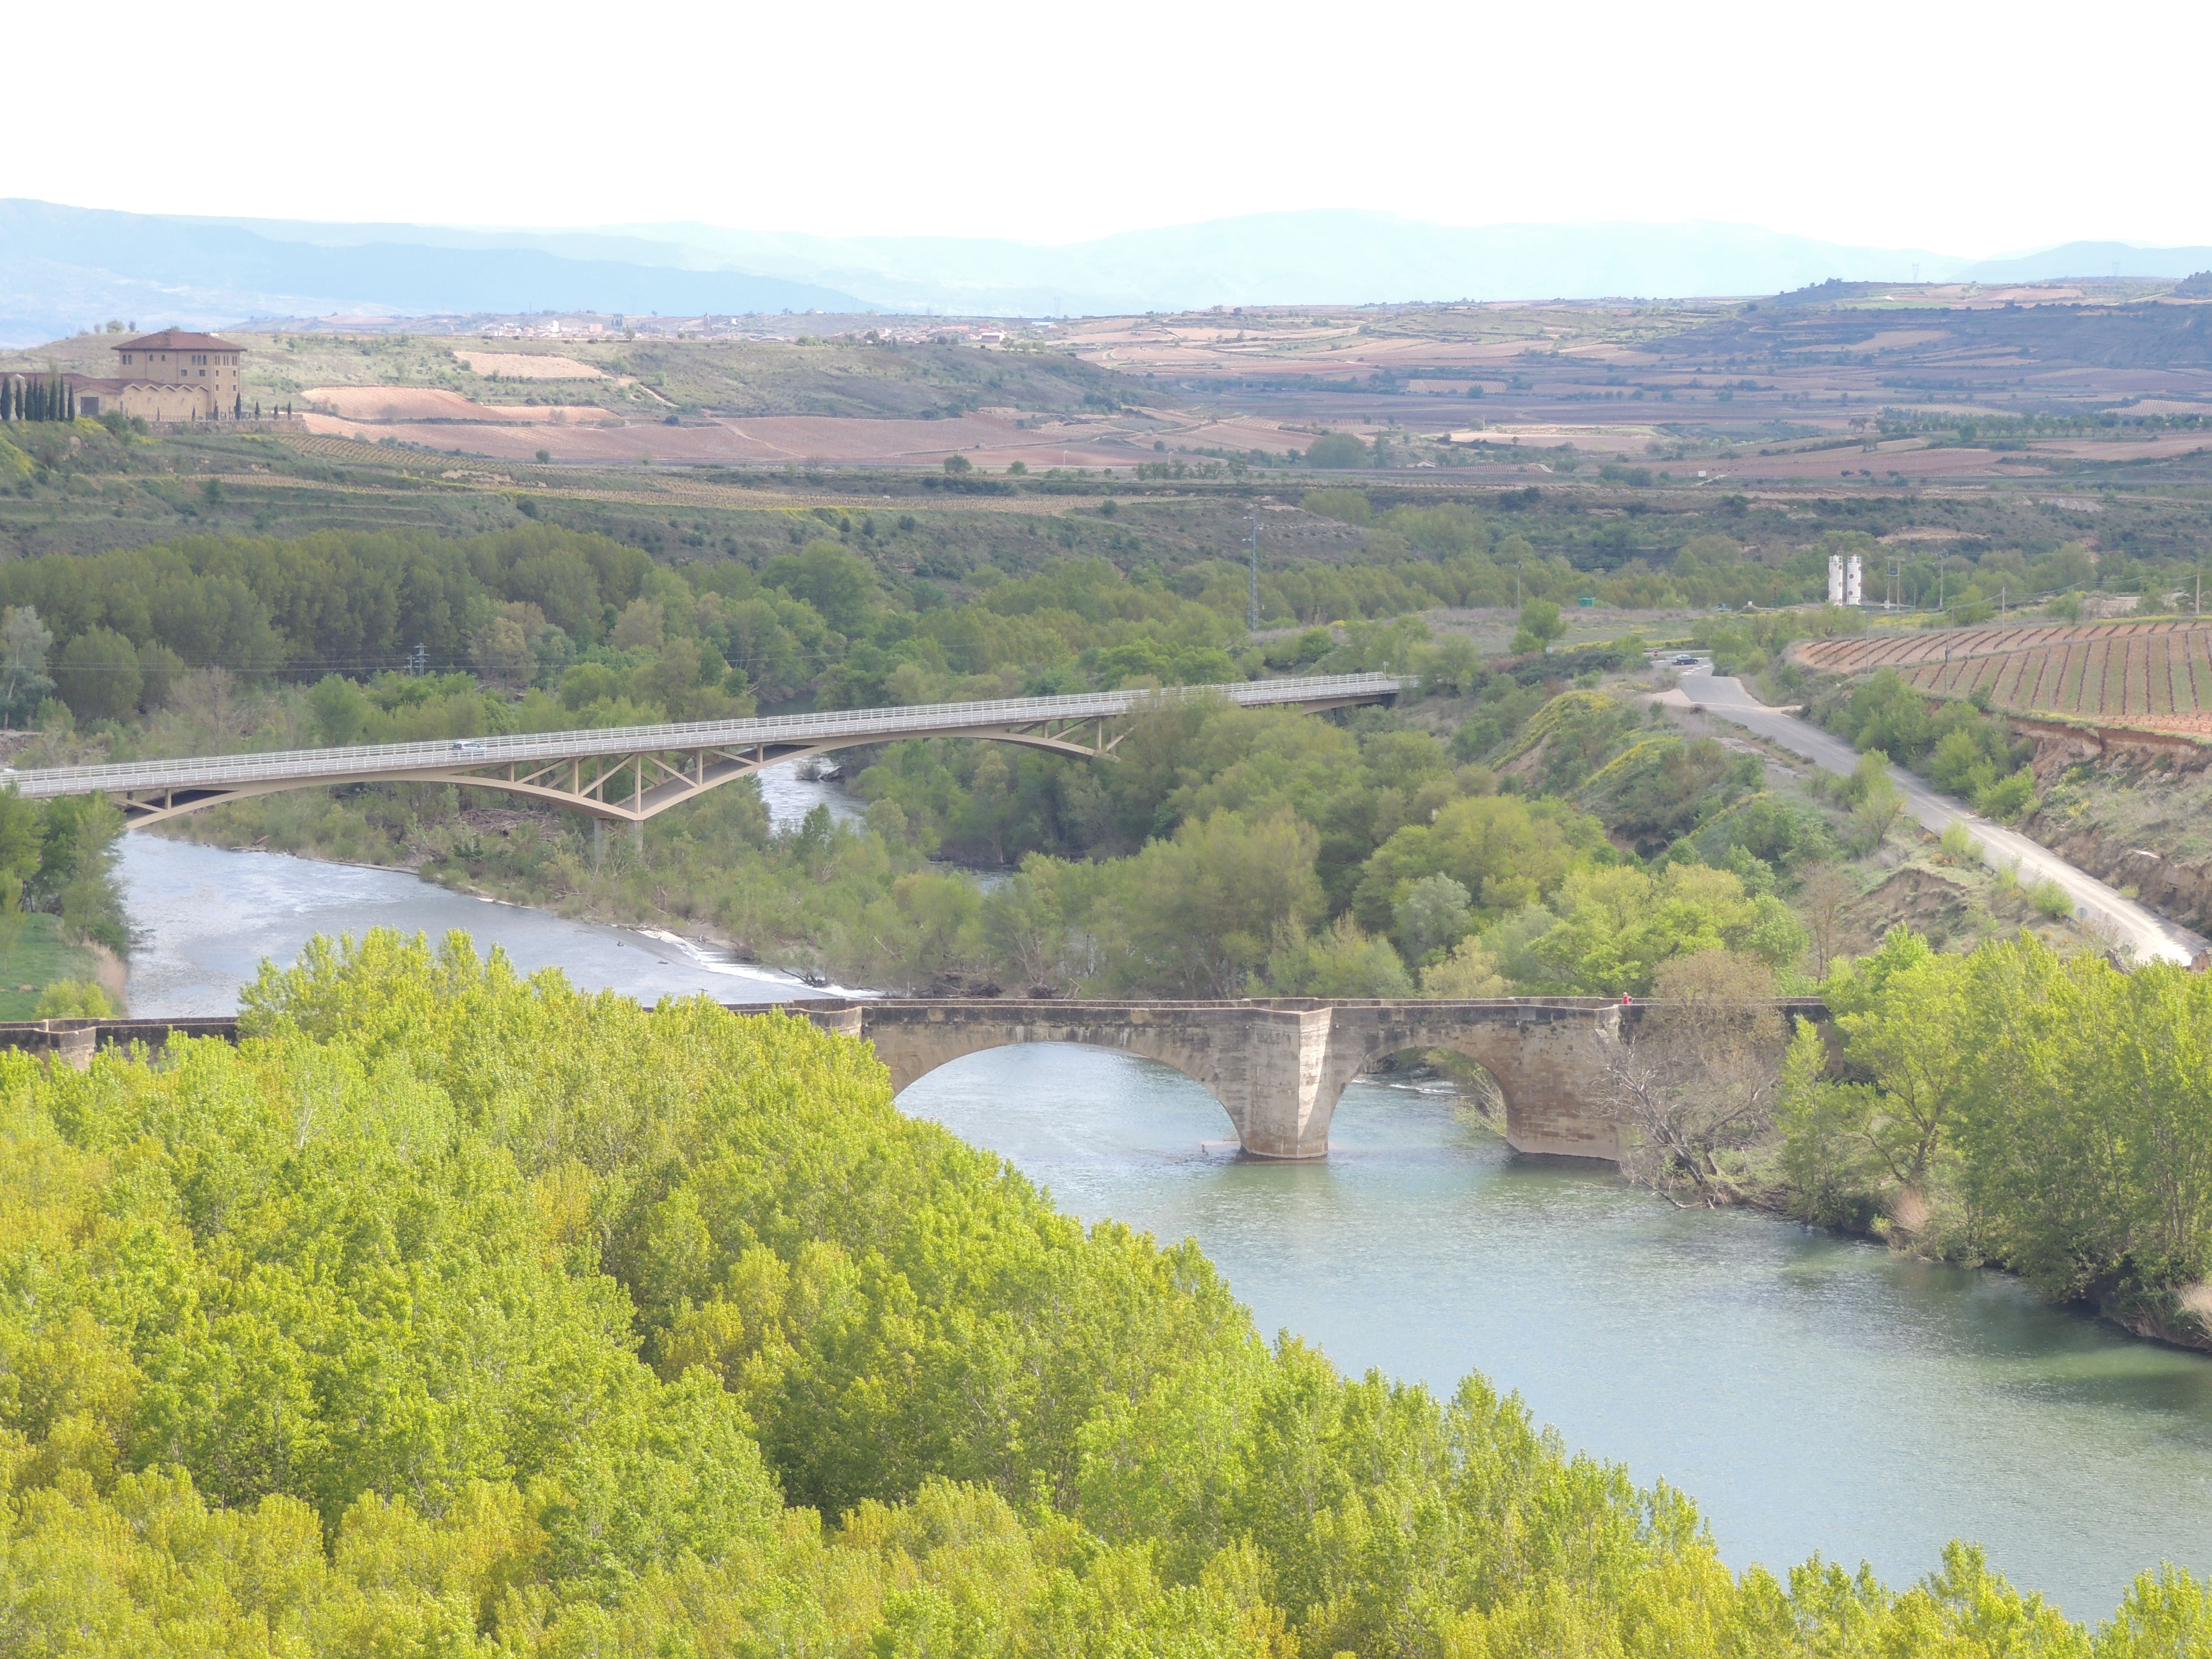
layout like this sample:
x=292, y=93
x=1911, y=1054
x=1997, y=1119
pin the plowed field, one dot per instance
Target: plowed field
x=2155, y=675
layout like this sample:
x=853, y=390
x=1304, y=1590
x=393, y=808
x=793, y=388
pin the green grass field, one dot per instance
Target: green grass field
x=37, y=958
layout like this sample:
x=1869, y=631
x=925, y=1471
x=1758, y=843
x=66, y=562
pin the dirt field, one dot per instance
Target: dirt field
x=393, y=404
x=989, y=441
x=524, y=366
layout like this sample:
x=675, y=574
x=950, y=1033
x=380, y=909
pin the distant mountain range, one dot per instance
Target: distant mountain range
x=62, y=269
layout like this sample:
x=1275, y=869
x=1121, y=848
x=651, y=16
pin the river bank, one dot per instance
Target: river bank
x=2164, y=1316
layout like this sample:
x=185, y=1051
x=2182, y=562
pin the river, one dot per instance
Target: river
x=1810, y=1393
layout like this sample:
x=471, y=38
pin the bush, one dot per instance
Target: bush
x=74, y=998
x=1958, y=844
x=2010, y=799
x=2051, y=901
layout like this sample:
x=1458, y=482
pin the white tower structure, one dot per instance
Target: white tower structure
x=1854, y=584
x=1835, y=578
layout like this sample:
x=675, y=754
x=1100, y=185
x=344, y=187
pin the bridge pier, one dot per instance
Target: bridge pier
x=1279, y=1066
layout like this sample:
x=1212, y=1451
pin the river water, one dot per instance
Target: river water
x=1811, y=1394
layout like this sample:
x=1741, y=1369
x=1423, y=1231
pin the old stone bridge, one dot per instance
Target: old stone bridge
x=1276, y=1066
x=1279, y=1066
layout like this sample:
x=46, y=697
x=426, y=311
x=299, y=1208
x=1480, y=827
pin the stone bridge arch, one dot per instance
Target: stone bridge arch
x=1550, y=1060
x=1202, y=1040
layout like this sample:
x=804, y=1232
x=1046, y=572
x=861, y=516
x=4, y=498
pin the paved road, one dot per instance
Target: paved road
x=2128, y=923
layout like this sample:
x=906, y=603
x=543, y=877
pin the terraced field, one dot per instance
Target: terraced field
x=2156, y=676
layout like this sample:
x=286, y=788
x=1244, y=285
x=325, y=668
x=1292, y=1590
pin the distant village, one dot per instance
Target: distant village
x=905, y=332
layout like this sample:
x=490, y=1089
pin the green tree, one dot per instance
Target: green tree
x=24, y=683
x=97, y=675
x=1341, y=961
x=1197, y=914
x=1337, y=449
x=1541, y=624
x=839, y=586
x=1435, y=911
x=1618, y=926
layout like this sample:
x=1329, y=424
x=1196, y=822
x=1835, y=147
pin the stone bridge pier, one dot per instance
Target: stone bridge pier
x=1279, y=1066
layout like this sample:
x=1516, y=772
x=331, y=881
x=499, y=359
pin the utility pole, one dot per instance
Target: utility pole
x=1252, y=605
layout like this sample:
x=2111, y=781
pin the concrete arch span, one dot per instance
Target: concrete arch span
x=1279, y=1067
x=631, y=791
x=629, y=774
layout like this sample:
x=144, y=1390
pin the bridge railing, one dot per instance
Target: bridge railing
x=469, y=753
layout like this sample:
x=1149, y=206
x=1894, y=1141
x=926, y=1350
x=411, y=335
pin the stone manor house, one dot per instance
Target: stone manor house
x=170, y=376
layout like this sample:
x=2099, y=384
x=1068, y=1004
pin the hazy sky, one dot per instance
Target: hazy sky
x=1971, y=128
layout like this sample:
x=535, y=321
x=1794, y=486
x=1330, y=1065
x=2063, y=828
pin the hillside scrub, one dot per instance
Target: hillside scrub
x=454, y=1312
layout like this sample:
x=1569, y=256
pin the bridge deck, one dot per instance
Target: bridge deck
x=788, y=732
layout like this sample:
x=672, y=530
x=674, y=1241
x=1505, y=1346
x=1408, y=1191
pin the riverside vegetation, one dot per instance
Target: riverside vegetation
x=1325, y=857
x=1524, y=826
x=452, y=1313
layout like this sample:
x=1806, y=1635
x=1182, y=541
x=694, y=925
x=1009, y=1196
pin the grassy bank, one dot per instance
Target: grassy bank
x=39, y=956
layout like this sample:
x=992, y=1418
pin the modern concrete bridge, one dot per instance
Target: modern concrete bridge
x=1278, y=1065
x=630, y=773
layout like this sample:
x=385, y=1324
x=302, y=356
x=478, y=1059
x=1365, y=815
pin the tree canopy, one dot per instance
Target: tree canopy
x=454, y=1312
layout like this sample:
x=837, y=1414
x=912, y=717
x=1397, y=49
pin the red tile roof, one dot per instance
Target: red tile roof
x=170, y=339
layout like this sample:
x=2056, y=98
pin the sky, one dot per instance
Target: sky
x=1968, y=129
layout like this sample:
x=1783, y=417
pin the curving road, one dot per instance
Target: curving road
x=2135, y=930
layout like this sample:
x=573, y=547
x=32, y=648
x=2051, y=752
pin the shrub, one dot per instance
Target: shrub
x=1958, y=844
x=2051, y=900
x=2008, y=799
x=74, y=998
